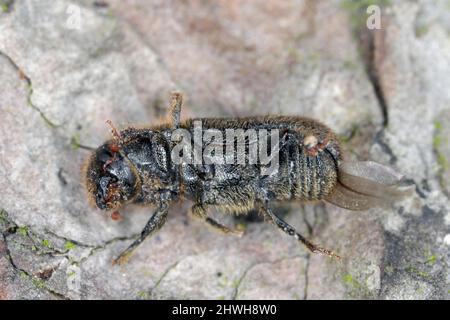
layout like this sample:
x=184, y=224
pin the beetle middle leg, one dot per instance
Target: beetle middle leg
x=280, y=223
x=199, y=211
x=155, y=223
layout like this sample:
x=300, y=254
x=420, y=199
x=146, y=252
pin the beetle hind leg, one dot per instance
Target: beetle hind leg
x=199, y=211
x=288, y=229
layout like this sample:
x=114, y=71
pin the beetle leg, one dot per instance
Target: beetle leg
x=199, y=211
x=175, y=108
x=280, y=223
x=155, y=223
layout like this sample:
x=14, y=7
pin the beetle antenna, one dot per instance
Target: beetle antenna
x=117, y=137
x=175, y=107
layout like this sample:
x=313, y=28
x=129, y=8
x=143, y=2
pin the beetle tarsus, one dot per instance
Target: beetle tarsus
x=155, y=223
x=317, y=249
x=285, y=227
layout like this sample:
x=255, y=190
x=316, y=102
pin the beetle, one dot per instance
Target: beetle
x=140, y=166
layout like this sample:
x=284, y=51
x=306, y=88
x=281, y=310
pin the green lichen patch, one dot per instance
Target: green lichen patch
x=75, y=141
x=389, y=270
x=431, y=260
x=38, y=283
x=45, y=243
x=143, y=295
x=438, y=125
x=421, y=30
x=442, y=161
x=415, y=271
x=355, y=287
x=349, y=65
x=5, y=5
x=241, y=226
x=350, y=134
x=69, y=245
x=441, y=149
x=3, y=217
x=348, y=279
x=23, y=231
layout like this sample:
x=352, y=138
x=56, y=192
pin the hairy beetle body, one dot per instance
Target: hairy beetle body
x=138, y=166
x=302, y=174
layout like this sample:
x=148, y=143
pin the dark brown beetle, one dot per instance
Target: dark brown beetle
x=137, y=166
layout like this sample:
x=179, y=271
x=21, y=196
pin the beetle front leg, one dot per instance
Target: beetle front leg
x=199, y=211
x=280, y=223
x=155, y=223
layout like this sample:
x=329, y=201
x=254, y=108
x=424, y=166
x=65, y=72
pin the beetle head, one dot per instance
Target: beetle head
x=112, y=179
